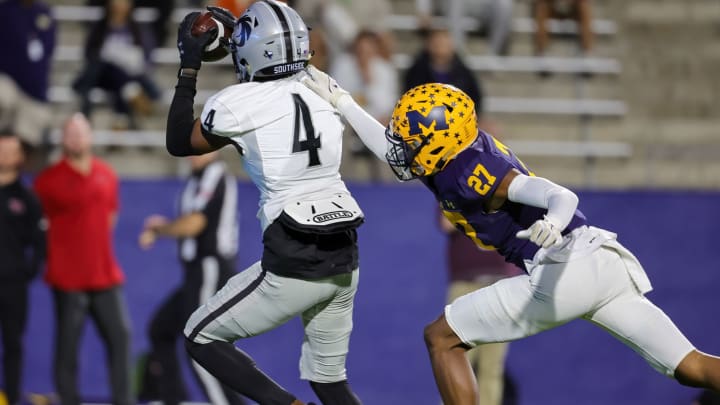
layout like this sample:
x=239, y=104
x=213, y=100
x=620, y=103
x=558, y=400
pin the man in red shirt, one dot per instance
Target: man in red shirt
x=79, y=196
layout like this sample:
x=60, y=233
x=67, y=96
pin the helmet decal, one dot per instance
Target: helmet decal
x=246, y=23
x=436, y=116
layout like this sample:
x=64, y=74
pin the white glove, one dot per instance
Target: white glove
x=324, y=85
x=543, y=233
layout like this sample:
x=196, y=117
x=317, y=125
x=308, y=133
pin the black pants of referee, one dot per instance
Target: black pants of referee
x=201, y=281
x=13, y=318
x=108, y=310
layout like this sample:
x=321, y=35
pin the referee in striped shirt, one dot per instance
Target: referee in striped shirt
x=207, y=234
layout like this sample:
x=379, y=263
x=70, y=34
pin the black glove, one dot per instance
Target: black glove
x=224, y=16
x=191, y=47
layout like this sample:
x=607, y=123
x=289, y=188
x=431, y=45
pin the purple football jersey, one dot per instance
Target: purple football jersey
x=469, y=180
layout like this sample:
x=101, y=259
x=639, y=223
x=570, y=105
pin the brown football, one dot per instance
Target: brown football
x=213, y=51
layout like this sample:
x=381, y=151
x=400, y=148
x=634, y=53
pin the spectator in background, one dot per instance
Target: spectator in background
x=22, y=250
x=79, y=196
x=319, y=45
x=207, y=235
x=470, y=269
x=163, y=11
x=439, y=62
x=372, y=15
x=28, y=31
x=373, y=82
x=370, y=78
x=495, y=17
x=341, y=21
x=578, y=10
x=117, y=54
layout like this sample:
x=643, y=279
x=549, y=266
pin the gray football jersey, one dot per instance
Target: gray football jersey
x=290, y=137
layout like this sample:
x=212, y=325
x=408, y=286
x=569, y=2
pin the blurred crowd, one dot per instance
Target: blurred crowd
x=353, y=40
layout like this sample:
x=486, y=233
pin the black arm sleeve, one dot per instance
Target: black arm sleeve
x=181, y=119
x=216, y=141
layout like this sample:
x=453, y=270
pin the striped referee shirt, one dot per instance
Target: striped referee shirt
x=213, y=192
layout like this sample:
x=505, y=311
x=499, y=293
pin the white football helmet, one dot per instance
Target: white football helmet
x=270, y=40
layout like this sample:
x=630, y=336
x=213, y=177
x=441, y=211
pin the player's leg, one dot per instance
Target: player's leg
x=236, y=369
x=487, y=360
x=510, y=309
x=489, y=366
x=645, y=328
x=327, y=339
x=699, y=369
x=70, y=311
x=201, y=282
x=250, y=304
x=165, y=329
x=456, y=290
x=209, y=341
x=451, y=368
x=109, y=311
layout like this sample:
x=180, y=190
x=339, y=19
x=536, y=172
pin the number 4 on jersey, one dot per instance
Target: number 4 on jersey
x=209, y=120
x=311, y=144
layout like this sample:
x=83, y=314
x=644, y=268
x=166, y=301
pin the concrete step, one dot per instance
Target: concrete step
x=494, y=84
x=671, y=12
x=409, y=42
x=558, y=129
x=520, y=9
x=596, y=88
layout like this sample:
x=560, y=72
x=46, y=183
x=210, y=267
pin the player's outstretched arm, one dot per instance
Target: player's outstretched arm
x=370, y=131
x=560, y=202
x=183, y=136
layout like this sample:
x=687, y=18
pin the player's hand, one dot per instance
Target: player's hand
x=324, y=85
x=543, y=233
x=191, y=47
x=223, y=15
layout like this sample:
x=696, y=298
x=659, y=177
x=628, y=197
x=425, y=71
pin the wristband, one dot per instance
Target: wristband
x=187, y=72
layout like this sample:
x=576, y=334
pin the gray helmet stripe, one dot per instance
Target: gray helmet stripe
x=286, y=29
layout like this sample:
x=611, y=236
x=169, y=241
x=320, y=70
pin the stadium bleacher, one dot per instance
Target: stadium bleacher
x=564, y=125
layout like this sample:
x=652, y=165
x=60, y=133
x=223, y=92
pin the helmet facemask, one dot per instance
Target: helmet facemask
x=402, y=155
x=242, y=70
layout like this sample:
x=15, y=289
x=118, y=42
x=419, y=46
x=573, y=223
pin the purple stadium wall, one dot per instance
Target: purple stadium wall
x=401, y=290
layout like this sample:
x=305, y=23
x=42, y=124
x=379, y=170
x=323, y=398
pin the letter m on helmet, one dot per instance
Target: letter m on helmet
x=436, y=115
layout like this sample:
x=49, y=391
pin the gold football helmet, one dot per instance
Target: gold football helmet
x=430, y=125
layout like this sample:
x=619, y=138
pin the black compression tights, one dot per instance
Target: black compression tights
x=238, y=371
x=337, y=393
